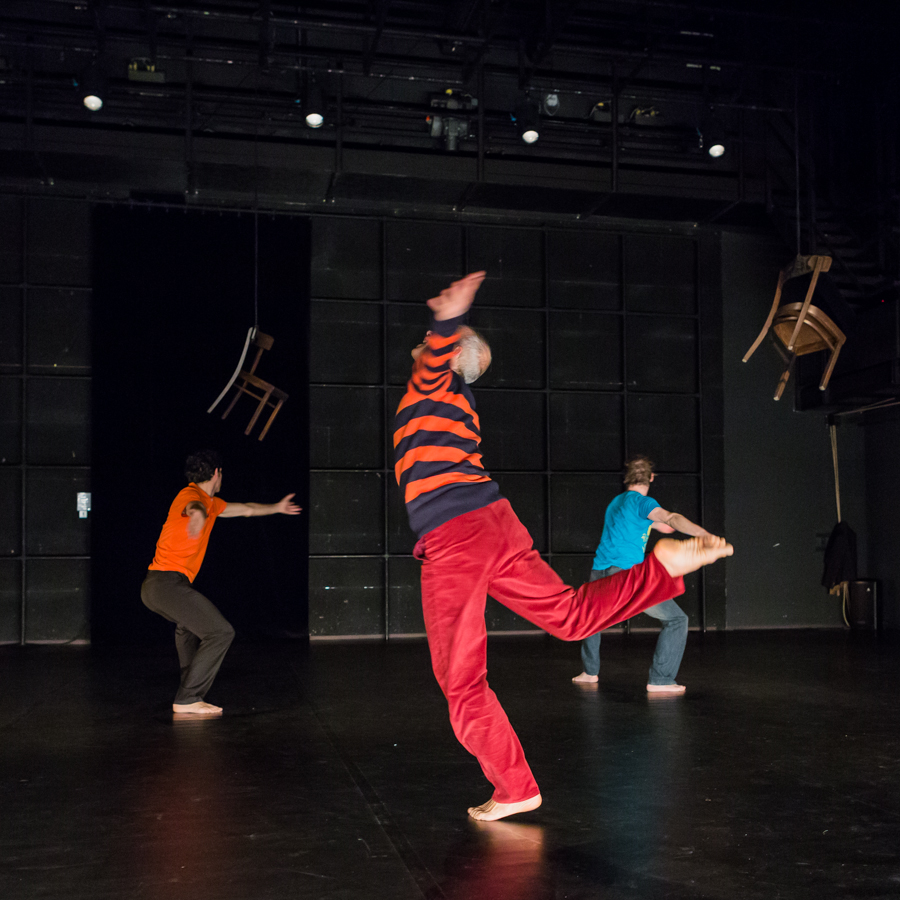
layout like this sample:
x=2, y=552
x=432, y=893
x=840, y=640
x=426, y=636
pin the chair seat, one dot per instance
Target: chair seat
x=818, y=331
x=256, y=381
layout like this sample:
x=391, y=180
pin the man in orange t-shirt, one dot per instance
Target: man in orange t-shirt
x=202, y=634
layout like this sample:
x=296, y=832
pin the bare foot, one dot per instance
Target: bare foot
x=666, y=688
x=491, y=811
x=197, y=709
x=681, y=557
x=584, y=678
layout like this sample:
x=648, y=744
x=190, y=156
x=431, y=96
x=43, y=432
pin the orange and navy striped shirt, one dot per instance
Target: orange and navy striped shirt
x=436, y=439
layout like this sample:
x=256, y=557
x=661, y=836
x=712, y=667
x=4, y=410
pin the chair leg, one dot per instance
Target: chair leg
x=826, y=377
x=771, y=316
x=801, y=318
x=784, y=378
x=237, y=394
x=259, y=409
x=268, y=424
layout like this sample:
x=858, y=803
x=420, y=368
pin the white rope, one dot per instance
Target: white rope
x=251, y=333
x=837, y=479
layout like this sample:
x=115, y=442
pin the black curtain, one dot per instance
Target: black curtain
x=173, y=299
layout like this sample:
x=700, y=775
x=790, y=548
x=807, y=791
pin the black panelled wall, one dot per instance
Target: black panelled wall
x=600, y=350
x=605, y=343
x=45, y=415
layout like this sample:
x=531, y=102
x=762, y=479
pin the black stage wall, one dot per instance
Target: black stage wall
x=778, y=484
x=779, y=479
x=606, y=343
x=173, y=299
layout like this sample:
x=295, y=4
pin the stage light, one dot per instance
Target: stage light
x=92, y=87
x=716, y=149
x=315, y=106
x=527, y=120
x=712, y=138
x=143, y=69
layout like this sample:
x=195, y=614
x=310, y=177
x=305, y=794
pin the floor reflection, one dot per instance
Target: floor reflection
x=185, y=804
x=499, y=861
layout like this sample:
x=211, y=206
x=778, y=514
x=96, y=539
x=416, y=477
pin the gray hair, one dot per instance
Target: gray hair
x=473, y=350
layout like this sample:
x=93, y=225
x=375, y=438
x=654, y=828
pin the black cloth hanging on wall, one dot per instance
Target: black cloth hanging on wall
x=840, y=556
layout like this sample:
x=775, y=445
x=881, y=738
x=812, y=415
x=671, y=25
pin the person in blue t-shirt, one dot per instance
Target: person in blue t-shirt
x=627, y=525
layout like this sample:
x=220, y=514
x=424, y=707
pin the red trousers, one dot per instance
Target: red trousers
x=489, y=551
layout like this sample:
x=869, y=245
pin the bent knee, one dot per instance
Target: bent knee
x=223, y=635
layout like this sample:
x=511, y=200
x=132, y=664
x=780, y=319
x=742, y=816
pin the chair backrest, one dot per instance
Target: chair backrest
x=802, y=265
x=261, y=342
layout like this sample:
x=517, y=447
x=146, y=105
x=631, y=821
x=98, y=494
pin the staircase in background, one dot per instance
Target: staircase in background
x=862, y=242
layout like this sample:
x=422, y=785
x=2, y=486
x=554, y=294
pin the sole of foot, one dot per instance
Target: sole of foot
x=196, y=709
x=666, y=688
x=584, y=678
x=681, y=557
x=492, y=811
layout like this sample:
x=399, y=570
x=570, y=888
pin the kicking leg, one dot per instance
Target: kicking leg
x=529, y=587
x=681, y=557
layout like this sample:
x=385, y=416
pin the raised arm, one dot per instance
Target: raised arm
x=286, y=506
x=455, y=300
x=436, y=356
x=676, y=522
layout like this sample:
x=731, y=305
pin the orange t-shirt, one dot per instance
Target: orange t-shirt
x=176, y=550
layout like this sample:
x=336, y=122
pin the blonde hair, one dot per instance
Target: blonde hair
x=638, y=470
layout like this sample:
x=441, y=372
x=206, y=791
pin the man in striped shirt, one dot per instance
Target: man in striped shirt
x=471, y=544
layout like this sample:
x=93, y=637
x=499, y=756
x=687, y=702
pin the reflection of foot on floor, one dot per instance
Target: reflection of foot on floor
x=511, y=833
x=681, y=557
x=666, y=688
x=584, y=678
x=200, y=708
x=491, y=811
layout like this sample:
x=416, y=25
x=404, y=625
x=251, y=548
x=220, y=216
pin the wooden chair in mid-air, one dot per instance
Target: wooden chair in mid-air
x=246, y=381
x=801, y=327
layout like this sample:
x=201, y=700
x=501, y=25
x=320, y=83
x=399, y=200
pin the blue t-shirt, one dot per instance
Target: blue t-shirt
x=625, y=531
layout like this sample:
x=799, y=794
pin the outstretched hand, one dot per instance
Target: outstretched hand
x=455, y=300
x=287, y=506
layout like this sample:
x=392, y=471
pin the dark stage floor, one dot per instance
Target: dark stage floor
x=334, y=774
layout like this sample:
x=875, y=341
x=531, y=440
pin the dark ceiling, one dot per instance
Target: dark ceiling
x=209, y=100
x=244, y=68
x=205, y=104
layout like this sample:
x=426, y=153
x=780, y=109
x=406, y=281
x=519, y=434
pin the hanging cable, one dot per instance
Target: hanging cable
x=797, y=157
x=837, y=480
x=845, y=586
x=256, y=233
x=256, y=271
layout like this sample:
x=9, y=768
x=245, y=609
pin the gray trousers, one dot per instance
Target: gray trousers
x=669, y=644
x=202, y=634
